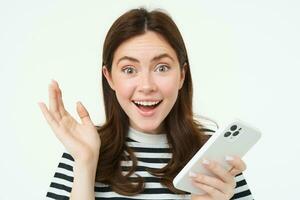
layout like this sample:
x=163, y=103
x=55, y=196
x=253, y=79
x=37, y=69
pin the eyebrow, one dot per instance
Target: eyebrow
x=158, y=57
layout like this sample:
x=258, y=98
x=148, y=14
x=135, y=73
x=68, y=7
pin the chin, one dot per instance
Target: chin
x=147, y=128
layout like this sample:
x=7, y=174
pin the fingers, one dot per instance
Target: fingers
x=211, y=191
x=219, y=187
x=83, y=114
x=57, y=109
x=200, y=180
x=218, y=170
x=48, y=116
x=60, y=104
x=222, y=186
x=53, y=103
x=238, y=165
x=55, y=126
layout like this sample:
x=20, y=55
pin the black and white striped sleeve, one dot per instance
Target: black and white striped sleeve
x=241, y=191
x=61, y=184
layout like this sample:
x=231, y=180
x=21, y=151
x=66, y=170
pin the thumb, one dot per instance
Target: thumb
x=83, y=114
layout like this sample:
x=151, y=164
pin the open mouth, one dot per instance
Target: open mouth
x=147, y=108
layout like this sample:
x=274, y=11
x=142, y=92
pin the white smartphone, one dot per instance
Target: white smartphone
x=234, y=139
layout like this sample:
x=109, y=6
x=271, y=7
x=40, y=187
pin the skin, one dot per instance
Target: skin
x=222, y=187
x=143, y=78
x=80, y=139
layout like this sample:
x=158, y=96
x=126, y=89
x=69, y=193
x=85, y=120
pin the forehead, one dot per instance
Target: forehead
x=145, y=46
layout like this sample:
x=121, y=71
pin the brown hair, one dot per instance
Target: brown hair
x=184, y=133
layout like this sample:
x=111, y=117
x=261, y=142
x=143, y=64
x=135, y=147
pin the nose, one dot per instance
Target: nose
x=147, y=84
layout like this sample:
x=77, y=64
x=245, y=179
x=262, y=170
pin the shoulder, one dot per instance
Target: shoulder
x=208, y=125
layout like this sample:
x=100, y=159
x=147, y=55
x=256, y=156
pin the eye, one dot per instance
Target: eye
x=128, y=70
x=163, y=68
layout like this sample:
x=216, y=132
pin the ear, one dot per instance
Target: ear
x=182, y=75
x=108, y=77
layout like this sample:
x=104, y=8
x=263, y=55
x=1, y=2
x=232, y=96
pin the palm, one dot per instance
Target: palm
x=80, y=139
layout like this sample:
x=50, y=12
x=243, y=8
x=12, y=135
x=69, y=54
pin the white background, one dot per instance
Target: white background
x=244, y=59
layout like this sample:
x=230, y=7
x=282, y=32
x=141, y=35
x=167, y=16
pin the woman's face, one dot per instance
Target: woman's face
x=145, y=70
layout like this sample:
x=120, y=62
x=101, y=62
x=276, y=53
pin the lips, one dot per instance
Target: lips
x=147, y=111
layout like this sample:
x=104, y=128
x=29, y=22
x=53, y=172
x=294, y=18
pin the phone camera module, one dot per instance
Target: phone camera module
x=227, y=134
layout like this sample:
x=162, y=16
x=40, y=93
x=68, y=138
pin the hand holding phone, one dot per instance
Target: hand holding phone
x=234, y=139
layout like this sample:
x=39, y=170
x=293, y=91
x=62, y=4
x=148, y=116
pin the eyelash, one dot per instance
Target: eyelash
x=124, y=69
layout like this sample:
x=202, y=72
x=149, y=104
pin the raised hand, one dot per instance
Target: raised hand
x=80, y=139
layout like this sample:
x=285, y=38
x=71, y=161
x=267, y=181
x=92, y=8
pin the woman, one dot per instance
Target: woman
x=150, y=131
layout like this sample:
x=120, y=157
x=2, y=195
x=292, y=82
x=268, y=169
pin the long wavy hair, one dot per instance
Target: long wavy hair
x=184, y=133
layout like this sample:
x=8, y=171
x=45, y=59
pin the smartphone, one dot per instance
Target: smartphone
x=236, y=139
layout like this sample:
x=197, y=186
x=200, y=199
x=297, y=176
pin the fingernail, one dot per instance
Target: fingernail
x=192, y=174
x=229, y=158
x=53, y=81
x=205, y=161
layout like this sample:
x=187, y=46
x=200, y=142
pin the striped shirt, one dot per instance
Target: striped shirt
x=152, y=151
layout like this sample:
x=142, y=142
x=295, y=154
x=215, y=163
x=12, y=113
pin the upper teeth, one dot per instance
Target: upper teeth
x=147, y=103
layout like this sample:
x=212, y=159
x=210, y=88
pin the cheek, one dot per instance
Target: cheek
x=124, y=89
x=169, y=87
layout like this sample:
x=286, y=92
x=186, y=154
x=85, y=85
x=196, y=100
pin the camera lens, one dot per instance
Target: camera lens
x=233, y=127
x=227, y=134
x=235, y=133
